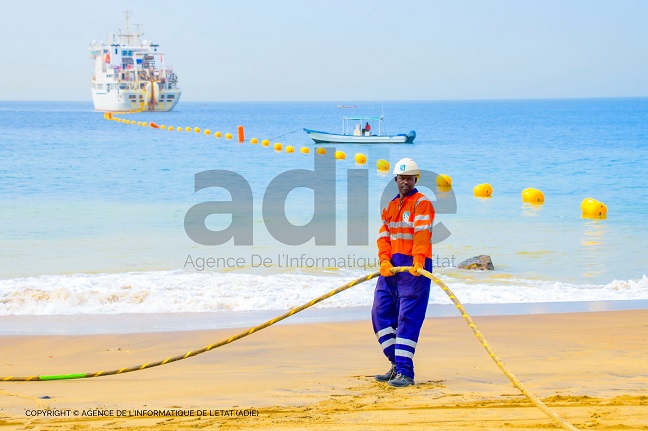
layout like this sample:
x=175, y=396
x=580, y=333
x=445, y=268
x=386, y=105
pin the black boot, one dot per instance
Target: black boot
x=387, y=376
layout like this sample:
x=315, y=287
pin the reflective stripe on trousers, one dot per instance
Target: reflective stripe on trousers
x=397, y=315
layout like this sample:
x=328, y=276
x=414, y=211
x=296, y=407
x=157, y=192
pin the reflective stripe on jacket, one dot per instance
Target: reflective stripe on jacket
x=406, y=228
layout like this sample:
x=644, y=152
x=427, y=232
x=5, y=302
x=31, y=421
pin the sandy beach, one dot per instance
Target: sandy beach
x=590, y=368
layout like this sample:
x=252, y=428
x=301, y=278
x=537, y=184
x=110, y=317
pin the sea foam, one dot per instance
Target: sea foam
x=186, y=291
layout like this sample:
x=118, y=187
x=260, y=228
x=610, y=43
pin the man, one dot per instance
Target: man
x=400, y=300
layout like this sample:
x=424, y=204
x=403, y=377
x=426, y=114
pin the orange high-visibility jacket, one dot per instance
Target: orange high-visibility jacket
x=406, y=229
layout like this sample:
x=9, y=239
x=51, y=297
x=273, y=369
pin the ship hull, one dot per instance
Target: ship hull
x=133, y=100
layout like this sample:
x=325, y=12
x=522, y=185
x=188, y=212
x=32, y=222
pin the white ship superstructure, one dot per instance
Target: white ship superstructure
x=130, y=74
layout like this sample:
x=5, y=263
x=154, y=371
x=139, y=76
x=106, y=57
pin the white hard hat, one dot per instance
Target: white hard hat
x=406, y=166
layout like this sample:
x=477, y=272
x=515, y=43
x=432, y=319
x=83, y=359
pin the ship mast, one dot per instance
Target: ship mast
x=130, y=38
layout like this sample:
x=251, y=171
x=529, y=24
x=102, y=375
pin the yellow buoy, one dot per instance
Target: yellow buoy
x=144, y=124
x=188, y=129
x=532, y=196
x=265, y=142
x=304, y=150
x=340, y=155
x=382, y=165
x=170, y=128
x=179, y=129
x=207, y=132
x=162, y=126
x=320, y=150
x=228, y=136
x=290, y=149
x=592, y=208
x=197, y=129
x=218, y=134
x=444, y=180
x=483, y=191
x=360, y=159
x=254, y=141
x=277, y=146
x=107, y=116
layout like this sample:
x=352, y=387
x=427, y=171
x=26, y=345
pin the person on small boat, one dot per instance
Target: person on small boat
x=366, y=131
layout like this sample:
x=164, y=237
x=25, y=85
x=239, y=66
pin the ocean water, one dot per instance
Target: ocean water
x=94, y=212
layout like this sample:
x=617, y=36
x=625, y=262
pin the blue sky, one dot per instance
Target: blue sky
x=253, y=50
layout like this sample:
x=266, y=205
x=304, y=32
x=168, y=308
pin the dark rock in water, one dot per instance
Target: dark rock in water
x=482, y=262
x=45, y=397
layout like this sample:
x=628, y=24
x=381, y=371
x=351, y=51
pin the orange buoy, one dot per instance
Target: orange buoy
x=241, y=134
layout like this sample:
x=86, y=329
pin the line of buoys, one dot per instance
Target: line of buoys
x=359, y=158
x=590, y=207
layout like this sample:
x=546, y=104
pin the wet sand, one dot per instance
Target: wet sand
x=590, y=368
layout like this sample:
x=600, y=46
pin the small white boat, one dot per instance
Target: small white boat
x=359, y=135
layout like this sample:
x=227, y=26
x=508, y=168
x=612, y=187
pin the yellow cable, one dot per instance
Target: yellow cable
x=537, y=402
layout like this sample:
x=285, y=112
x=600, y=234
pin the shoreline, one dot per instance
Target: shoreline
x=588, y=367
x=181, y=322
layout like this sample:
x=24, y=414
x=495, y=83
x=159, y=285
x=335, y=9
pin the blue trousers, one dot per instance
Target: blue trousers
x=397, y=315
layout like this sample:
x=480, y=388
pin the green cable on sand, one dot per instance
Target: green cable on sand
x=537, y=402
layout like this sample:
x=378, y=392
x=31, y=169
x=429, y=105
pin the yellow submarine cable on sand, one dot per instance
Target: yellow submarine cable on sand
x=535, y=400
